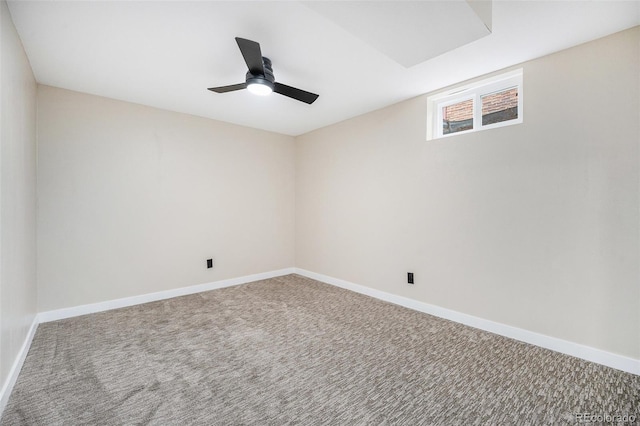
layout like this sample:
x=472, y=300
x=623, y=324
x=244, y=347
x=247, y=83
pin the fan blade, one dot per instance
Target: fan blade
x=294, y=93
x=225, y=89
x=252, y=55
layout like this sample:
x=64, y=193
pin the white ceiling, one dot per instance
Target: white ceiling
x=166, y=53
x=419, y=30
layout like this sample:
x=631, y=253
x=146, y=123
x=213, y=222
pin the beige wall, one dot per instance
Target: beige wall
x=17, y=195
x=534, y=225
x=133, y=200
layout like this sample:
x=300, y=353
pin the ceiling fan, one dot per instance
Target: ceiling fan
x=259, y=78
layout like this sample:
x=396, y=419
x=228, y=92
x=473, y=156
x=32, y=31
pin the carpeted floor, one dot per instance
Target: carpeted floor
x=291, y=350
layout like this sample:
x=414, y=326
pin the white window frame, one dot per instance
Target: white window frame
x=475, y=91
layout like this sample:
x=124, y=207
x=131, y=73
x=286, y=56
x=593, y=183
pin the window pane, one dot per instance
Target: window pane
x=457, y=117
x=500, y=106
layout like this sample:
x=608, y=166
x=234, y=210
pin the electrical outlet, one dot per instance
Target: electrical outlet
x=209, y=263
x=410, y=277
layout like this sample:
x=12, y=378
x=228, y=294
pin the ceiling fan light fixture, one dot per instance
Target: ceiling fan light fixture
x=260, y=87
x=259, y=79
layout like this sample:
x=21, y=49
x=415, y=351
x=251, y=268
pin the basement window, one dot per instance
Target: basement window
x=486, y=104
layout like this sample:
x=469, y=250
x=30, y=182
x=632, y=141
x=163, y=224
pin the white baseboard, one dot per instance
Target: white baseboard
x=620, y=362
x=75, y=311
x=7, y=387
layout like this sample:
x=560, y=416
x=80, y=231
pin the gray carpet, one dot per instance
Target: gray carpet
x=291, y=350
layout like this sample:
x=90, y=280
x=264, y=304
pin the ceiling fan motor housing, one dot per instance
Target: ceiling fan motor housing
x=267, y=79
